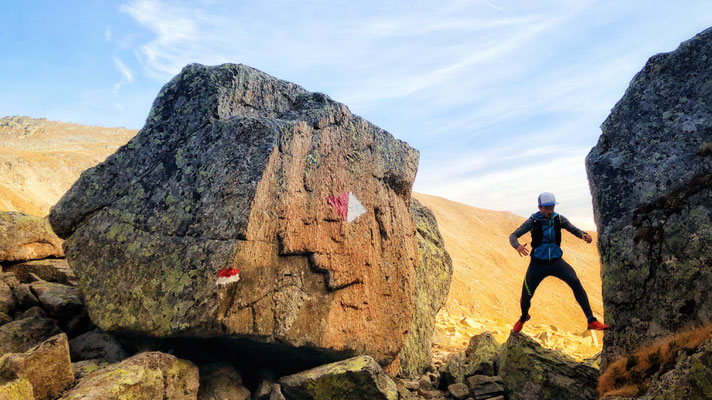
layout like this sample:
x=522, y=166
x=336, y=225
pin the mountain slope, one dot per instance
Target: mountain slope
x=488, y=272
x=41, y=159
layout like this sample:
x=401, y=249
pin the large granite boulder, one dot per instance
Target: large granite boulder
x=27, y=237
x=432, y=284
x=355, y=378
x=532, y=372
x=237, y=170
x=651, y=179
x=150, y=375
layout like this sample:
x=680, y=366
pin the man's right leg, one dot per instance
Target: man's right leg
x=535, y=274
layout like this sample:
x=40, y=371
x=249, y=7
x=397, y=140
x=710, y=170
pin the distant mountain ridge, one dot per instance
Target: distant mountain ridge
x=40, y=159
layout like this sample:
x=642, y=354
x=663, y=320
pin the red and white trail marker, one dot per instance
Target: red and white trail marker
x=347, y=206
x=227, y=275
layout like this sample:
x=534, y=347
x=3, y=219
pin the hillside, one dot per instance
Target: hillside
x=488, y=274
x=41, y=159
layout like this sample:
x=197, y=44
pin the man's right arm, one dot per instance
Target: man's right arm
x=527, y=226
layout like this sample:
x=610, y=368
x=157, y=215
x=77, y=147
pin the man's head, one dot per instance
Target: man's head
x=547, y=202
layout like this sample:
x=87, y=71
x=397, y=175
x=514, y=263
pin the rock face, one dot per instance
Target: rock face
x=26, y=237
x=235, y=169
x=651, y=179
x=531, y=372
x=432, y=284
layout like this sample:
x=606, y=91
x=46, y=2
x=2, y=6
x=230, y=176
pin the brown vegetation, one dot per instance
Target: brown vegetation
x=630, y=375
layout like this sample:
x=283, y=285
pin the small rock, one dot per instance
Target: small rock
x=7, y=300
x=27, y=237
x=276, y=393
x=459, y=391
x=485, y=387
x=61, y=301
x=21, y=335
x=46, y=366
x=96, y=344
x=18, y=389
x=424, y=383
x=24, y=296
x=4, y=318
x=9, y=279
x=357, y=377
x=221, y=381
x=50, y=270
x=35, y=311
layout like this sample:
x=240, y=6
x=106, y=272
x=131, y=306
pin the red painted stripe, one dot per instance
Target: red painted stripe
x=228, y=272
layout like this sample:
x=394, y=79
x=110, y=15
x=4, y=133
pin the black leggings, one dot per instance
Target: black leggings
x=540, y=269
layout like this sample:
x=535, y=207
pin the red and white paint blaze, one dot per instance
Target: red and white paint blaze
x=347, y=206
x=228, y=275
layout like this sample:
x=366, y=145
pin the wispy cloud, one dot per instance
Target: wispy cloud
x=126, y=74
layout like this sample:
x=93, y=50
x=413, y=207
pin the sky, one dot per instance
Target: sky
x=503, y=99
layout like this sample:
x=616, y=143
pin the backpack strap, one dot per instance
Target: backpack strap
x=557, y=229
x=537, y=233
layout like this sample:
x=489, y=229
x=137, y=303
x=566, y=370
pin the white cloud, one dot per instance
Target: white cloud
x=126, y=75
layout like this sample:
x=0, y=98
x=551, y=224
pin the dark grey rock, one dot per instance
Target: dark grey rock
x=19, y=336
x=485, y=387
x=61, y=302
x=35, y=311
x=531, y=372
x=96, y=344
x=49, y=269
x=651, y=181
x=355, y=378
x=7, y=300
x=24, y=296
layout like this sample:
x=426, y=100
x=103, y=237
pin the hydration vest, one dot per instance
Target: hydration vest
x=546, y=237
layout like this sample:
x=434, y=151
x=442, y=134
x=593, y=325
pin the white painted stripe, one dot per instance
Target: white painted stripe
x=356, y=209
x=226, y=280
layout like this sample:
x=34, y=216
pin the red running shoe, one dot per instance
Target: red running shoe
x=520, y=323
x=597, y=326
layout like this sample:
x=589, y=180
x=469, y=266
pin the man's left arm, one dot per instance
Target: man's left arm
x=566, y=224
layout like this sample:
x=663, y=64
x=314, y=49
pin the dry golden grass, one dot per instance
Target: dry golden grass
x=630, y=376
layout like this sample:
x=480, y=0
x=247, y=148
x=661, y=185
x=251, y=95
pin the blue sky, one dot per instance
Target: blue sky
x=503, y=99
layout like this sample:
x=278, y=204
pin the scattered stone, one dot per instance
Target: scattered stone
x=358, y=377
x=62, y=302
x=9, y=279
x=7, y=300
x=530, y=371
x=25, y=237
x=150, y=375
x=21, y=335
x=424, y=383
x=46, y=366
x=652, y=196
x=276, y=393
x=86, y=367
x=96, y=344
x=485, y=387
x=221, y=382
x=459, y=391
x=35, y=311
x=24, y=296
x=50, y=270
x=480, y=357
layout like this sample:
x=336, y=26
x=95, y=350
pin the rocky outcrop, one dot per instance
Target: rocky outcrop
x=432, y=284
x=356, y=378
x=531, y=372
x=150, y=375
x=651, y=179
x=479, y=358
x=26, y=237
x=47, y=367
x=236, y=170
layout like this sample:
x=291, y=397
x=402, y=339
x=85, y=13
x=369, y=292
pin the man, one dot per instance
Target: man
x=546, y=260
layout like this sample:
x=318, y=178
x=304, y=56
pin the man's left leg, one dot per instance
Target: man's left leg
x=566, y=273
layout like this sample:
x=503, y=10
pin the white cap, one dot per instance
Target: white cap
x=547, y=199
